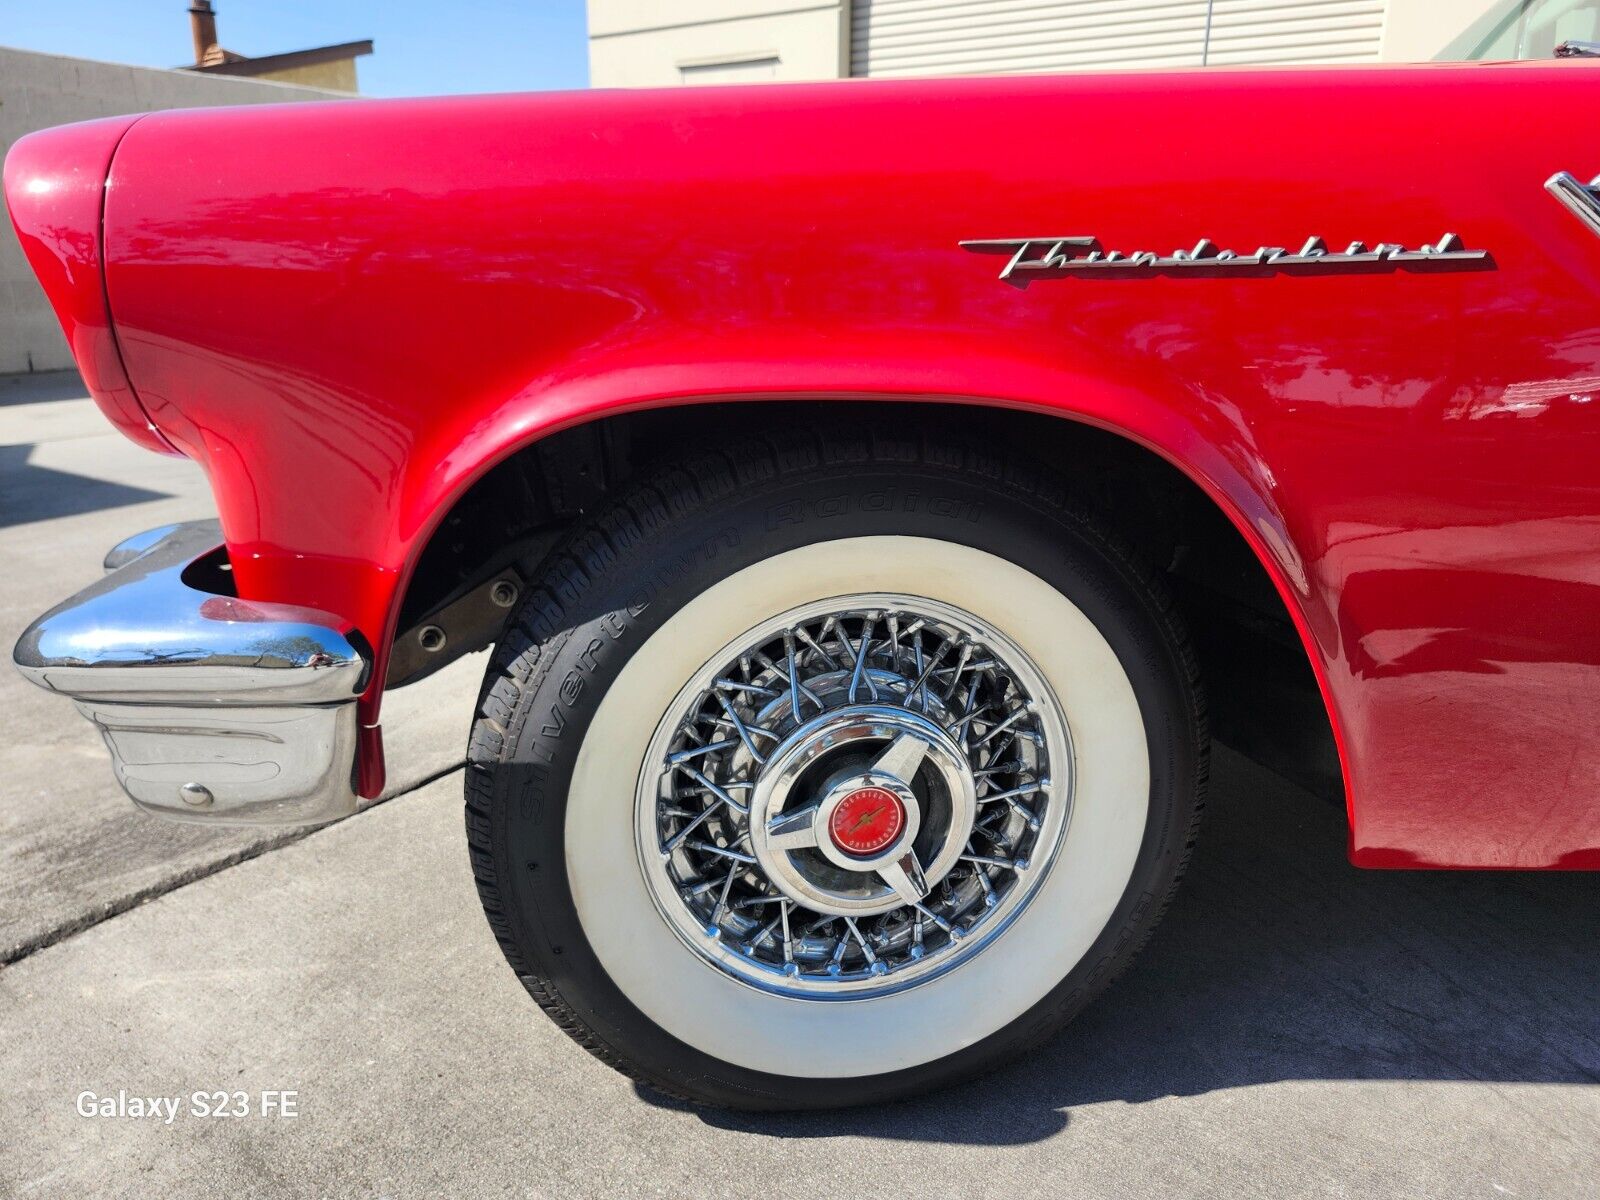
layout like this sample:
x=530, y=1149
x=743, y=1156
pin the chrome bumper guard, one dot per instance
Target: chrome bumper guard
x=215, y=709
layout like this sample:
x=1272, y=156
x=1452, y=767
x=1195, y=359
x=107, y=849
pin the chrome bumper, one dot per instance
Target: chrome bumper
x=215, y=709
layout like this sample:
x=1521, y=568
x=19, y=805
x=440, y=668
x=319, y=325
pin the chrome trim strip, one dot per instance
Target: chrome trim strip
x=214, y=708
x=1580, y=199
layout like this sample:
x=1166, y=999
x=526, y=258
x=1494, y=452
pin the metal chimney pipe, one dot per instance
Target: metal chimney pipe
x=203, y=25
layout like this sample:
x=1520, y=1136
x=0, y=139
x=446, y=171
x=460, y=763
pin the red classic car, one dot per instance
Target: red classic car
x=876, y=493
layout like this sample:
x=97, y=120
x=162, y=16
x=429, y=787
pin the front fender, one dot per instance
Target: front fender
x=370, y=303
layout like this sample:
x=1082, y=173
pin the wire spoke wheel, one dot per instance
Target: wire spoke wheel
x=854, y=797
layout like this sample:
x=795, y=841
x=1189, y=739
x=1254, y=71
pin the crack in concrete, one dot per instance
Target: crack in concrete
x=86, y=921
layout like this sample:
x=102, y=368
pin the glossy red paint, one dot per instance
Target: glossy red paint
x=346, y=312
x=55, y=191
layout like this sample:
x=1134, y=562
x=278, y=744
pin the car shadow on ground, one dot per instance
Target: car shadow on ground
x=33, y=493
x=1280, y=961
x=42, y=387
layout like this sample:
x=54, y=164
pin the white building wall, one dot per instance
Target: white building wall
x=636, y=43
x=41, y=90
x=1416, y=30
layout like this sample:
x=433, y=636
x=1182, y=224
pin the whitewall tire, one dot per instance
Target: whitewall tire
x=798, y=785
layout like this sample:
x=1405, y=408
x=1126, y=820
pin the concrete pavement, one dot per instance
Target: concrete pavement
x=72, y=848
x=1296, y=1027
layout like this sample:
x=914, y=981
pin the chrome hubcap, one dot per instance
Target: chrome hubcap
x=854, y=796
x=806, y=832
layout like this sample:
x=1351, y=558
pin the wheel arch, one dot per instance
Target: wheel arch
x=1197, y=443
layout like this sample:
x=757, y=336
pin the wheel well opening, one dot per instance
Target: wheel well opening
x=1262, y=695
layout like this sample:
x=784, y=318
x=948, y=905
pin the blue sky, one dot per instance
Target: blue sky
x=422, y=48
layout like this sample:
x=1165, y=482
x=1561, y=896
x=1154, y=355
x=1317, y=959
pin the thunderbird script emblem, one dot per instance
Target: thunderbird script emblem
x=1054, y=256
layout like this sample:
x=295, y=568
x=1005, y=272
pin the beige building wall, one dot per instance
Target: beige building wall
x=637, y=43
x=1416, y=30
x=41, y=90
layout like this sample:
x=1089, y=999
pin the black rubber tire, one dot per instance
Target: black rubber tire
x=652, y=543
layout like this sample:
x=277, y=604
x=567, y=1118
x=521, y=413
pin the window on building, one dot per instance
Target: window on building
x=739, y=70
x=1527, y=29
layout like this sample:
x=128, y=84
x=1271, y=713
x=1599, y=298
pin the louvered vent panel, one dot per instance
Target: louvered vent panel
x=1282, y=31
x=985, y=37
x=972, y=37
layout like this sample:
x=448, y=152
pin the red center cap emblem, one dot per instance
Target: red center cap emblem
x=867, y=821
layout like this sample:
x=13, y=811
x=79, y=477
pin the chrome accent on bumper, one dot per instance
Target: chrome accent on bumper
x=215, y=709
x=140, y=544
